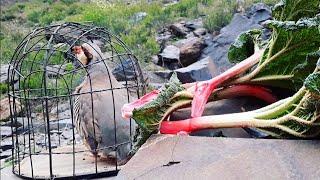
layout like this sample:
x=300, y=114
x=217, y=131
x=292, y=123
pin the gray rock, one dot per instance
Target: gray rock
x=5, y=154
x=5, y=131
x=166, y=74
x=61, y=107
x=190, y=35
x=169, y=2
x=238, y=24
x=65, y=123
x=14, y=123
x=259, y=13
x=4, y=73
x=200, y=32
x=155, y=85
x=191, y=50
x=188, y=157
x=169, y=57
x=56, y=70
x=170, y=52
x=194, y=24
x=6, y=144
x=198, y=71
x=163, y=36
x=179, y=29
x=155, y=59
x=218, y=49
x=125, y=71
x=155, y=79
x=139, y=16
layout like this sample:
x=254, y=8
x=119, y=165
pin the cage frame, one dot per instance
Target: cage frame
x=13, y=93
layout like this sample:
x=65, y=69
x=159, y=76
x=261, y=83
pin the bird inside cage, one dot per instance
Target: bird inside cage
x=97, y=107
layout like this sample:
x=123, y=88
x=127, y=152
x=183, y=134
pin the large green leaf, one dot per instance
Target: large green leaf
x=244, y=46
x=293, y=10
x=285, y=63
x=312, y=83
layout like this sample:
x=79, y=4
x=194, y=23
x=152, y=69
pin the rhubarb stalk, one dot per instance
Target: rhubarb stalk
x=127, y=109
x=204, y=89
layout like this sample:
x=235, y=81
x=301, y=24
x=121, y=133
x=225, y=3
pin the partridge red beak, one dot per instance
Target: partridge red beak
x=77, y=49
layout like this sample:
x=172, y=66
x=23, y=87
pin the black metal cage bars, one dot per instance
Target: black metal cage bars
x=43, y=76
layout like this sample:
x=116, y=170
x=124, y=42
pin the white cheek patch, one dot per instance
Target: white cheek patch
x=83, y=59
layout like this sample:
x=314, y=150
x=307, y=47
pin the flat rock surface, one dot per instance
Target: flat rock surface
x=186, y=157
x=6, y=174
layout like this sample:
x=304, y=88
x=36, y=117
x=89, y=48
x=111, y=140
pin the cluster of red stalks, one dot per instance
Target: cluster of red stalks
x=201, y=92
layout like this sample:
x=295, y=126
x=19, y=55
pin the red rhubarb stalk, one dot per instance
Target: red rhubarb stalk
x=210, y=122
x=190, y=125
x=247, y=90
x=226, y=93
x=204, y=89
x=127, y=109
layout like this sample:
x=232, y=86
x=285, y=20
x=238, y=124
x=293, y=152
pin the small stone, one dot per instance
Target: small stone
x=194, y=24
x=60, y=108
x=153, y=78
x=15, y=123
x=179, y=29
x=4, y=73
x=56, y=70
x=155, y=59
x=6, y=144
x=200, y=32
x=5, y=131
x=139, y=16
x=164, y=74
x=155, y=85
x=5, y=154
x=55, y=132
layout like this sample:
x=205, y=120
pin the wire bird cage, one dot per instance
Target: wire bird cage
x=44, y=76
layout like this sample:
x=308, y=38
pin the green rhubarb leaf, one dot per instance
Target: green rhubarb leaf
x=312, y=83
x=293, y=10
x=244, y=46
x=284, y=63
x=303, y=70
x=149, y=116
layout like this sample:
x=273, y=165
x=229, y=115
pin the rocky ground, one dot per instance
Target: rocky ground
x=187, y=48
x=194, y=54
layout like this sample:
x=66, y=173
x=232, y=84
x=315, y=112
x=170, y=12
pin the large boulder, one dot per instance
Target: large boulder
x=179, y=29
x=169, y=57
x=253, y=19
x=125, y=71
x=190, y=50
x=198, y=71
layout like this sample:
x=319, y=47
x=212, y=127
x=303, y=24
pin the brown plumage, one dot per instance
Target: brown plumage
x=95, y=115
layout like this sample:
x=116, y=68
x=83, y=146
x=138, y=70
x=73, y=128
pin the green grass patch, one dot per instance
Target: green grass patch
x=19, y=19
